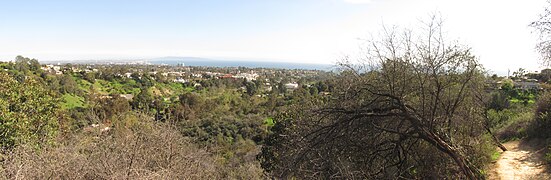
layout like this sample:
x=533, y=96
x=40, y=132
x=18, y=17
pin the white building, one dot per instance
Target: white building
x=527, y=84
x=180, y=80
x=291, y=85
x=247, y=76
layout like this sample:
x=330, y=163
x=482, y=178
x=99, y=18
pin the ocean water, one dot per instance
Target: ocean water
x=249, y=64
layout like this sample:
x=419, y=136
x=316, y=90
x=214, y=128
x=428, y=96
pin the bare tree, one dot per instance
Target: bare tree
x=543, y=26
x=135, y=148
x=412, y=97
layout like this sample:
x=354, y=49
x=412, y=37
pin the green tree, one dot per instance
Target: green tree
x=499, y=101
x=519, y=73
x=34, y=65
x=90, y=77
x=28, y=113
x=313, y=90
x=22, y=64
x=281, y=88
x=68, y=85
x=143, y=100
x=251, y=88
x=507, y=85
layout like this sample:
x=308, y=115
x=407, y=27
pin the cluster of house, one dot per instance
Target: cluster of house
x=247, y=76
x=289, y=86
x=52, y=69
x=57, y=69
x=524, y=84
x=179, y=76
x=527, y=84
x=529, y=81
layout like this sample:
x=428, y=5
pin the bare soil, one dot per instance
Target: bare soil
x=523, y=160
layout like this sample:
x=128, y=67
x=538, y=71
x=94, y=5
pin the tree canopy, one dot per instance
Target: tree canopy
x=29, y=112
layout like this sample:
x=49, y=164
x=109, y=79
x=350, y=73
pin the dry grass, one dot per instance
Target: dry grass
x=131, y=150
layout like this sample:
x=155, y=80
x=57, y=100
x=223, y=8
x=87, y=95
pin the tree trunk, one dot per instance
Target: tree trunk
x=487, y=127
x=468, y=169
x=496, y=141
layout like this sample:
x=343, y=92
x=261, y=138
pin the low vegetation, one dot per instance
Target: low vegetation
x=134, y=147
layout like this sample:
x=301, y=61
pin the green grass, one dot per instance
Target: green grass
x=189, y=89
x=524, y=97
x=72, y=101
x=99, y=85
x=135, y=91
x=514, y=127
x=269, y=122
x=514, y=100
x=83, y=84
x=116, y=87
x=548, y=155
x=495, y=156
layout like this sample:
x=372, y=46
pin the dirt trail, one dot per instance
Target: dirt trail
x=523, y=160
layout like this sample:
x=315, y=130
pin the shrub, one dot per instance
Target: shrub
x=28, y=112
x=130, y=150
x=541, y=126
x=515, y=127
x=548, y=155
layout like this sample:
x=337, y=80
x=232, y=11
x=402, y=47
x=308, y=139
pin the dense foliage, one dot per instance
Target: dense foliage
x=350, y=126
x=29, y=113
x=96, y=120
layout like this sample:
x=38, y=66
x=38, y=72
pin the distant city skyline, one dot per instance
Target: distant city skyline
x=305, y=31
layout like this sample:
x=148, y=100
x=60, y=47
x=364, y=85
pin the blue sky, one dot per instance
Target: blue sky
x=123, y=25
x=154, y=18
x=311, y=31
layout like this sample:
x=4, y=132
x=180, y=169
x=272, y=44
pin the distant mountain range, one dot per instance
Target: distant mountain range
x=196, y=61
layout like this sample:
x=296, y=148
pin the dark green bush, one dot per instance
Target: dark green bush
x=541, y=126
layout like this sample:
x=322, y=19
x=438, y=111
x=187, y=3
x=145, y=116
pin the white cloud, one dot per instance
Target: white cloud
x=357, y=1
